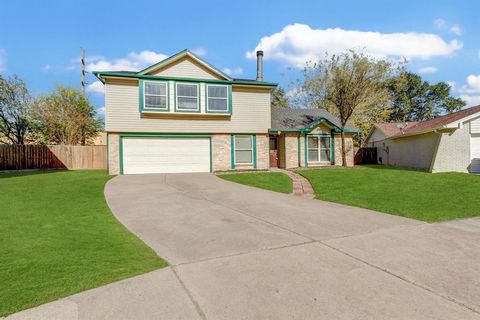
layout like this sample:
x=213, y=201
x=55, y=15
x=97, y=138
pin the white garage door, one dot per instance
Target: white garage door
x=165, y=155
x=475, y=150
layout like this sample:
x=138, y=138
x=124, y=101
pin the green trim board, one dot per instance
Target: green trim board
x=100, y=74
x=254, y=151
x=314, y=125
x=141, y=97
x=332, y=148
x=165, y=135
x=229, y=99
x=305, y=150
x=232, y=152
x=199, y=107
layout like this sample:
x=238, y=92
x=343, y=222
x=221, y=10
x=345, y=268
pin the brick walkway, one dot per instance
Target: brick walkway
x=301, y=186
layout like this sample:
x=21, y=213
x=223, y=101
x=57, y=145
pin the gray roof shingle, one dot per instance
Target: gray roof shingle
x=298, y=119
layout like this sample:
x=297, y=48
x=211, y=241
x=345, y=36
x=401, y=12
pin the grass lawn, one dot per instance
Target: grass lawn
x=409, y=193
x=58, y=237
x=274, y=181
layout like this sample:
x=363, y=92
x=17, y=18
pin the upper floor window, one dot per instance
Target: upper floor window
x=155, y=95
x=187, y=97
x=217, y=98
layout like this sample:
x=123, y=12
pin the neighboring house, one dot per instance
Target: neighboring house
x=184, y=115
x=447, y=143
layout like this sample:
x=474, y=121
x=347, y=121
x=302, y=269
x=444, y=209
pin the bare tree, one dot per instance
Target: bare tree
x=346, y=84
x=15, y=103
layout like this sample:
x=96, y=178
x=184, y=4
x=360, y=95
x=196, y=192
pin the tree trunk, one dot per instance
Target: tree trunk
x=344, y=152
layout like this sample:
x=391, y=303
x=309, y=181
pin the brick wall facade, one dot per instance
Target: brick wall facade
x=291, y=143
x=113, y=154
x=221, y=153
x=338, y=149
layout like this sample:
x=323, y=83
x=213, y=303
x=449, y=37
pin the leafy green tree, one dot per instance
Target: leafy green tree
x=279, y=98
x=347, y=85
x=65, y=117
x=415, y=99
x=15, y=103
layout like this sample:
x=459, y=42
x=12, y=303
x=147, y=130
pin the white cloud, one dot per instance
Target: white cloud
x=471, y=100
x=46, y=67
x=235, y=71
x=3, y=63
x=455, y=29
x=96, y=87
x=440, y=23
x=425, y=70
x=452, y=84
x=472, y=86
x=298, y=43
x=201, y=52
x=132, y=62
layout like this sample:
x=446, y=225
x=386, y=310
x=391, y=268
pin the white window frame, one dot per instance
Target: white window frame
x=319, y=148
x=155, y=95
x=177, y=96
x=227, y=98
x=235, y=148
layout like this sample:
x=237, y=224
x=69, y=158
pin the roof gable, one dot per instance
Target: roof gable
x=286, y=119
x=179, y=64
x=440, y=122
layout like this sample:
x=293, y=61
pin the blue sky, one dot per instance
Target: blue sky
x=40, y=40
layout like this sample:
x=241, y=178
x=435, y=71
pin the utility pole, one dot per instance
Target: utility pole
x=83, y=72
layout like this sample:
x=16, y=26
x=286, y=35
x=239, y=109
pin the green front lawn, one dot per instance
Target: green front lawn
x=58, y=237
x=409, y=193
x=274, y=181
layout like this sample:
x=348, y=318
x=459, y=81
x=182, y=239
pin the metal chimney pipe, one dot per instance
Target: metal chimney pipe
x=259, y=65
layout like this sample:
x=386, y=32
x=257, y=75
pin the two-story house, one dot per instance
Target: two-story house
x=184, y=115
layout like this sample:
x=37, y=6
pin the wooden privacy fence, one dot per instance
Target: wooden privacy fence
x=366, y=156
x=19, y=157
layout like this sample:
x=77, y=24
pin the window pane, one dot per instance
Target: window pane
x=217, y=104
x=217, y=91
x=187, y=103
x=243, y=156
x=312, y=142
x=187, y=90
x=325, y=155
x=313, y=155
x=325, y=143
x=155, y=88
x=155, y=102
x=243, y=142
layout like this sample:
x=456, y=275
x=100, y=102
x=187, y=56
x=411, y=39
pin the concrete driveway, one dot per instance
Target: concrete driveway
x=243, y=253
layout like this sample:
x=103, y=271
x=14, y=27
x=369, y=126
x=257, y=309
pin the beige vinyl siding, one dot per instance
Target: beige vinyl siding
x=475, y=125
x=413, y=152
x=375, y=138
x=186, y=68
x=453, y=151
x=250, y=112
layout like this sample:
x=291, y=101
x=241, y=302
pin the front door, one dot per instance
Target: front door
x=274, y=151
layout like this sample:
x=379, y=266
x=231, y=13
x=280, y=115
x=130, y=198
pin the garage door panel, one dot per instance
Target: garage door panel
x=165, y=155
